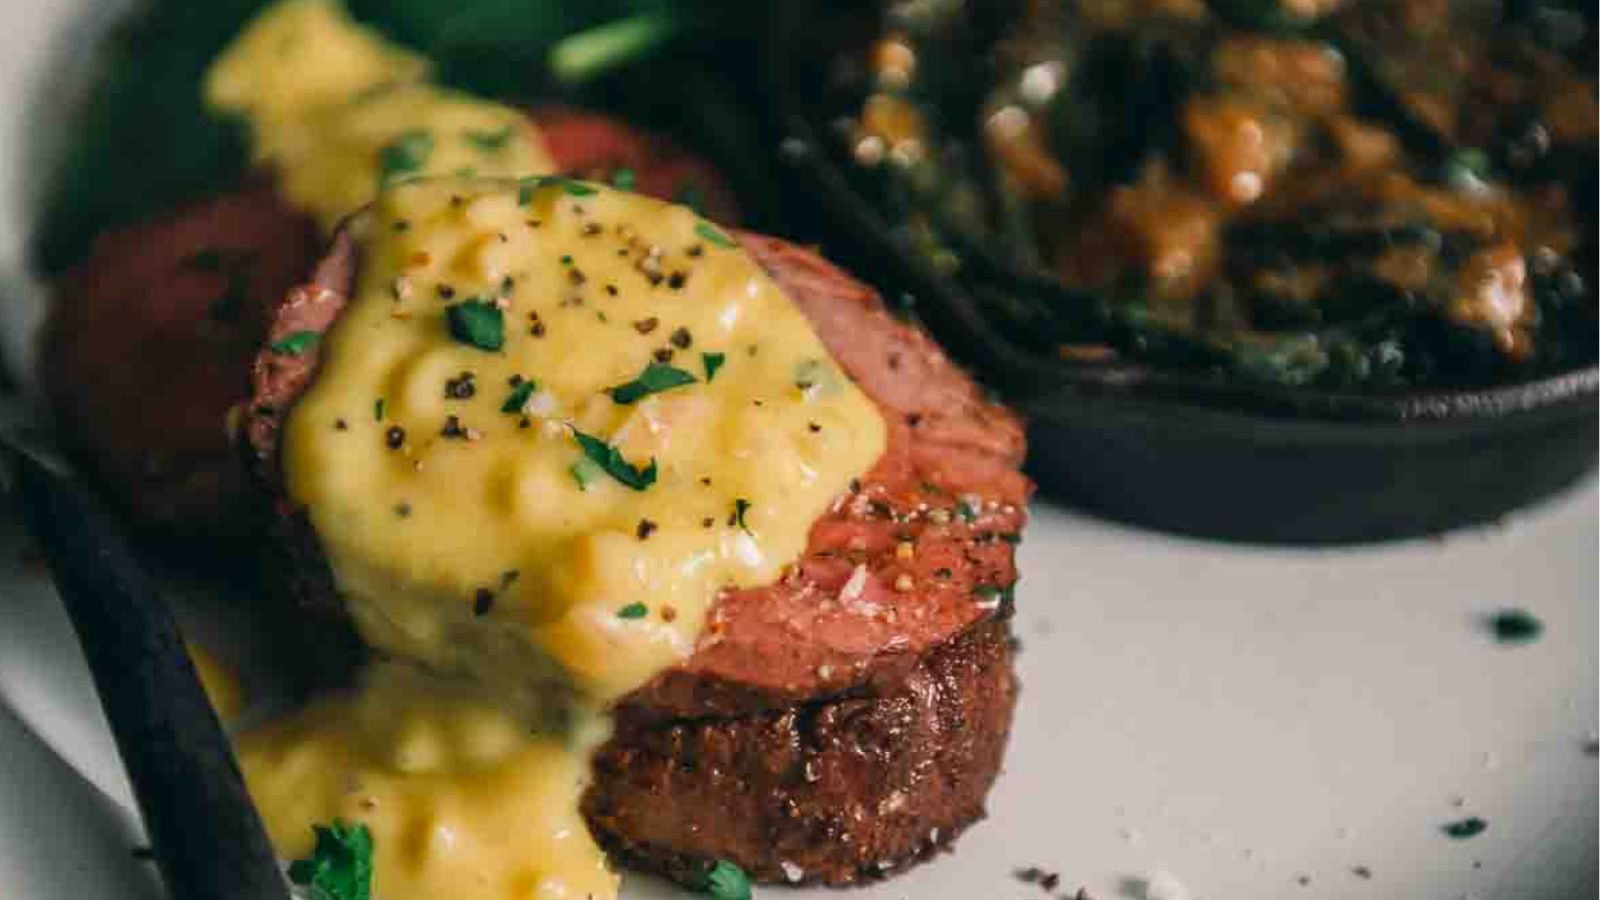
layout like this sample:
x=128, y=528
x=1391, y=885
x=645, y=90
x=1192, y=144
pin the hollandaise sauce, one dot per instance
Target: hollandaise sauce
x=462, y=796
x=336, y=112
x=554, y=421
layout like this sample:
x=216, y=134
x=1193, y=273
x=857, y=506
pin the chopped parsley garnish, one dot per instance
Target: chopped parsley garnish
x=712, y=362
x=340, y=866
x=295, y=344
x=530, y=185
x=405, y=155
x=624, y=180
x=655, y=378
x=740, y=507
x=714, y=235
x=1516, y=626
x=634, y=610
x=992, y=594
x=611, y=461
x=519, y=396
x=379, y=406
x=488, y=141
x=966, y=511
x=480, y=324
x=584, y=472
x=726, y=881
x=1466, y=828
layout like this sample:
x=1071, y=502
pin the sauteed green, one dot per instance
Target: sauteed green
x=1304, y=192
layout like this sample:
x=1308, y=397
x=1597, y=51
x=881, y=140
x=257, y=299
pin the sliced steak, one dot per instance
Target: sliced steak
x=848, y=718
x=146, y=349
x=150, y=339
x=831, y=791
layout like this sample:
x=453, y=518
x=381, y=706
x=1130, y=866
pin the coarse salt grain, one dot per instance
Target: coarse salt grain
x=858, y=582
x=1165, y=886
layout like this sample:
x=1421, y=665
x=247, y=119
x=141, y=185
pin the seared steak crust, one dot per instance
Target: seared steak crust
x=831, y=791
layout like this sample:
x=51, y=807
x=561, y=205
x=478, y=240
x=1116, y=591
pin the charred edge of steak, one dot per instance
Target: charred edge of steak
x=835, y=792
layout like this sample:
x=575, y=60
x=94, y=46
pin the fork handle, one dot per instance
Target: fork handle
x=206, y=836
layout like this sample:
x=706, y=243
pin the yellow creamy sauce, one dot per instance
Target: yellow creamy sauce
x=461, y=801
x=471, y=530
x=337, y=112
x=483, y=542
x=488, y=542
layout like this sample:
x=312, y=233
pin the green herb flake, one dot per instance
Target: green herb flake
x=1468, y=170
x=477, y=323
x=611, y=461
x=655, y=378
x=994, y=595
x=340, y=866
x=488, y=141
x=585, y=473
x=405, y=155
x=1466, y=828
x=711, y=234
x=726, y=881
x=379, y=407
x=741, y=506
x=624, y=179
x=574, y=188
x=529, y=186
x=966, y=512
x=634, y=610
x=519, y=395
x=712, y=362
x=295, y=344
x=1516, y=626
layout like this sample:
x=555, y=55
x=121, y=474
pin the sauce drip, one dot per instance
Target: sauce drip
x=554, y=422
x=338, y=113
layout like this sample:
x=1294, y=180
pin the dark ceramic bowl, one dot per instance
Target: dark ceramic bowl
x=1180, y=451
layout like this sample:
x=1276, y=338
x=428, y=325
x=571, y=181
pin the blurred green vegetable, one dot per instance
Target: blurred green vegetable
x=144, y=142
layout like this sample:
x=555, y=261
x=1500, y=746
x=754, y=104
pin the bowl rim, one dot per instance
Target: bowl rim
x=1024, y=375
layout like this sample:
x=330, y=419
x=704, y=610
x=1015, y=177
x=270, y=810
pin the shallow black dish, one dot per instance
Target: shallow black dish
x=1179, y=451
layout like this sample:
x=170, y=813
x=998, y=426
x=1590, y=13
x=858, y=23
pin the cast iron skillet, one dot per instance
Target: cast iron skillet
x=1179, y=451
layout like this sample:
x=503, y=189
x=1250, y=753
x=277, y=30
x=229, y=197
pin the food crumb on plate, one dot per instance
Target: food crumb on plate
x=1165, y=886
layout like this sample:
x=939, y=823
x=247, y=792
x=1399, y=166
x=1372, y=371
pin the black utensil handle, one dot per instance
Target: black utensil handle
x=205, y=834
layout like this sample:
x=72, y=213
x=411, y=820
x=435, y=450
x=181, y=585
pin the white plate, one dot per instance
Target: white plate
x=1240, y=718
